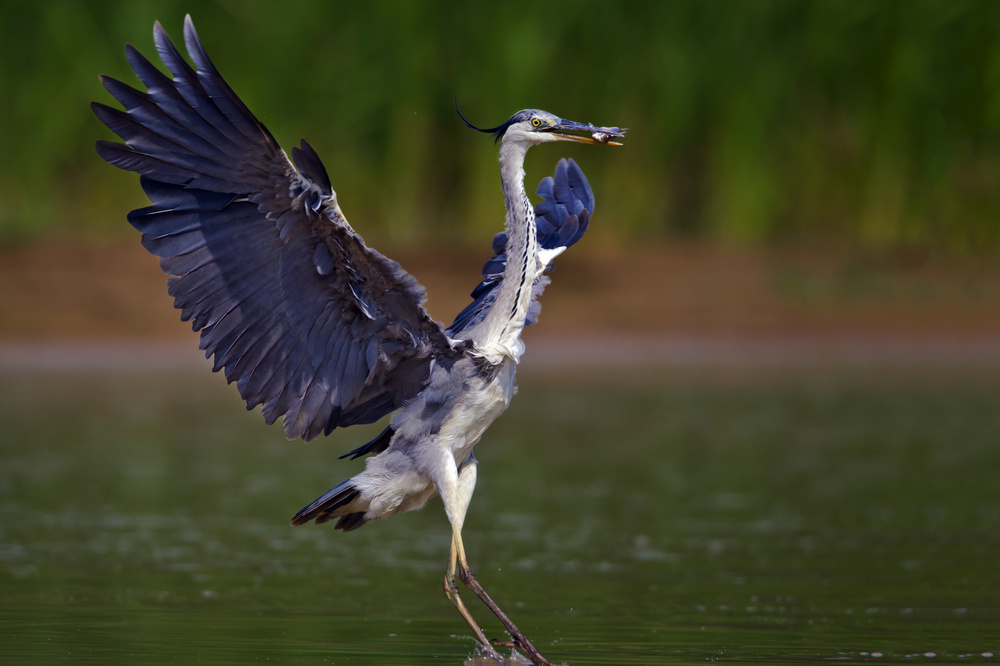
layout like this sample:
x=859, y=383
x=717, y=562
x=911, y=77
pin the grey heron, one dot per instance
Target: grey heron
x=312, y=324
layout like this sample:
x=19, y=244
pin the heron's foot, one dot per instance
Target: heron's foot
x=518, y=658
x=487, y=656
x=520, y=640
x=515, y=658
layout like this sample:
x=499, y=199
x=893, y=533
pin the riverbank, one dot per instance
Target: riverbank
x=670, y=305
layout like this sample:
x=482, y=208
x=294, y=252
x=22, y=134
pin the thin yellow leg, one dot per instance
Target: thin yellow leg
x=455, y=486
x=469, y=578
x=451, y=591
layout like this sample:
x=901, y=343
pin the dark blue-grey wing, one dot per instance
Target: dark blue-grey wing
x=309, y=322
x=561, y=219
x=565, y=195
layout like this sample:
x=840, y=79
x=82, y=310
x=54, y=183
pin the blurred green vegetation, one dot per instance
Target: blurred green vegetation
x=872, y=124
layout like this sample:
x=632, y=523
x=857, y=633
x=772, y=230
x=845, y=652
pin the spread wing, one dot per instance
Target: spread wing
x=561, y=219
x=308, y=321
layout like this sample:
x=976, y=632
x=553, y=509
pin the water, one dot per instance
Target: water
x=782, y=519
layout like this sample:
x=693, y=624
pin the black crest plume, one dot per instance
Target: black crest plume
x=497, y=131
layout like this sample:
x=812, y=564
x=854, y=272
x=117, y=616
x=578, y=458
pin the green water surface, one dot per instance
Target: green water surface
x=800, y=517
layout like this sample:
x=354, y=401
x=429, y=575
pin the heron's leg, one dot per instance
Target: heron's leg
x=451, y=591
x=469, y=578
x=456, y=492
x=456, y=505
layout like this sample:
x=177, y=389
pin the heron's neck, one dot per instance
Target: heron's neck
x=501, y=329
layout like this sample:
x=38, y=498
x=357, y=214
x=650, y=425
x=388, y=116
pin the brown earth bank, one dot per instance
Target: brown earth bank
x=696, y=298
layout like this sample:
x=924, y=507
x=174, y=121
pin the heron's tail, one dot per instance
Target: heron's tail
x=332, y=505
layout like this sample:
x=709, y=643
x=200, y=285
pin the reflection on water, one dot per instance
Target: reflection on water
x=788, y=520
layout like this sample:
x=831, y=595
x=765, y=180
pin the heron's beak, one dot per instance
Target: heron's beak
x=568, y=130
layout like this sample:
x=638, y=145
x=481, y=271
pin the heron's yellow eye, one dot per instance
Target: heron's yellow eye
x=535, y=122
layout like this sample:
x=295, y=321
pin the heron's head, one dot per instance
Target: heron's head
x=533, y=126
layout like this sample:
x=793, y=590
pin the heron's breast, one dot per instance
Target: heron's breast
x=488, y=396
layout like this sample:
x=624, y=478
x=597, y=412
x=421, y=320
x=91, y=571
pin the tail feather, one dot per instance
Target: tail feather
x=325, y=508
x=347, y=522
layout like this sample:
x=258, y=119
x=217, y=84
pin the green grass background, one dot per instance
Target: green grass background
x=866, y=124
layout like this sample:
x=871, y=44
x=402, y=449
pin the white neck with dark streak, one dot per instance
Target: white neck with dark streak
x=499, y=334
